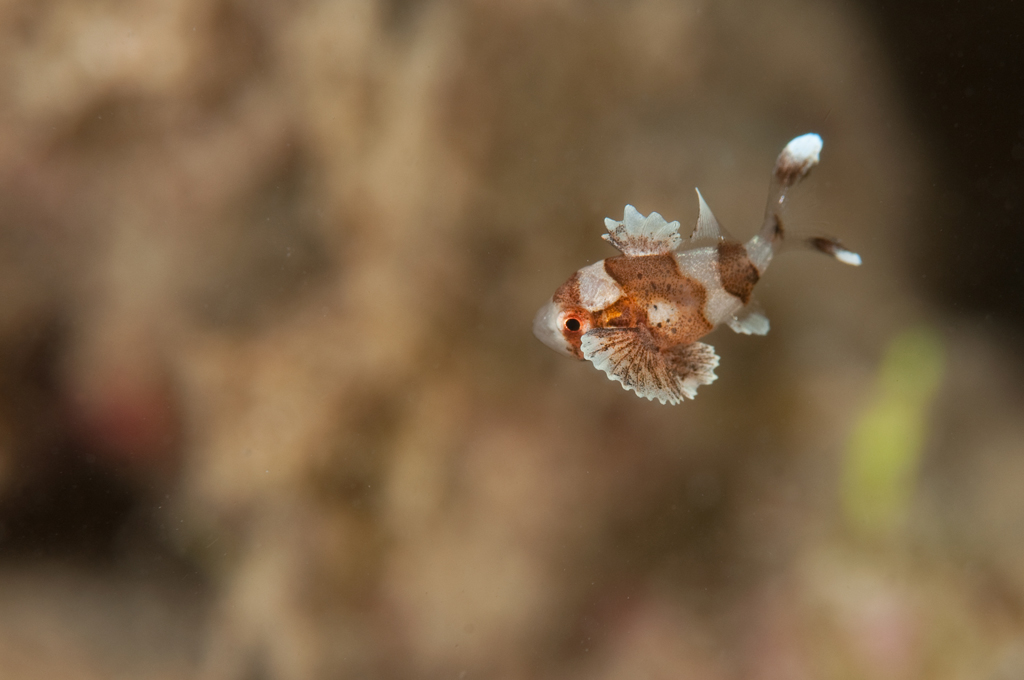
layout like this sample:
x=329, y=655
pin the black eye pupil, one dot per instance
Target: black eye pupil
x=572, y=324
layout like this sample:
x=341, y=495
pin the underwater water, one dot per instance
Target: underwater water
x=271, y=406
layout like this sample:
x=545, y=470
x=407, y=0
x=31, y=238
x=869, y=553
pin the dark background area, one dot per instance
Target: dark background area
x=961, y=68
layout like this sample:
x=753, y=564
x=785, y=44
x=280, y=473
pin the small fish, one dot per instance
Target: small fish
x=638, y=316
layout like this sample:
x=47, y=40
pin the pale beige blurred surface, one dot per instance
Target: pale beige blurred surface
x=269, y=271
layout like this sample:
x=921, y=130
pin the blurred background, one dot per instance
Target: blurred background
x=271, y=408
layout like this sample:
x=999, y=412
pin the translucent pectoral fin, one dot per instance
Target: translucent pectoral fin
x=639, y=235
x=694, y=365
x=630, y=356
x=750, y=321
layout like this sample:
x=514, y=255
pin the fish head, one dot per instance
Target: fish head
x=561, y=327
x=560, y=324
x=579, y=305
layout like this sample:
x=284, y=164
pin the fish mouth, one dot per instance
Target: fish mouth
x=545, y=328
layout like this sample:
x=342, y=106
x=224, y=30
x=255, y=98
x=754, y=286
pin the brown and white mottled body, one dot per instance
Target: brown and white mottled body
x=639, y=316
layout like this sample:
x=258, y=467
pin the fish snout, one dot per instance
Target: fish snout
x=547, y=329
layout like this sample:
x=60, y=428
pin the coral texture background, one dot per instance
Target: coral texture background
x=270, y=406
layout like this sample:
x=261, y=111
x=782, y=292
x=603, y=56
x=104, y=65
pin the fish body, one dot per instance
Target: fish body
x=639, y=316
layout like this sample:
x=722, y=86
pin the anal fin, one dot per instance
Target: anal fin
x=750, y=321
x=630, y=356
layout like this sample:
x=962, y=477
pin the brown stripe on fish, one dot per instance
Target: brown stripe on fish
x=655, y=282
x=569, y=292
x=645, y=274
x=738, y=273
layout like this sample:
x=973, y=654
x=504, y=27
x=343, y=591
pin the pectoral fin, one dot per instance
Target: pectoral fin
x=630, y=356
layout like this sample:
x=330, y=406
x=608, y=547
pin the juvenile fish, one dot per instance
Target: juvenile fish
x=638, y=316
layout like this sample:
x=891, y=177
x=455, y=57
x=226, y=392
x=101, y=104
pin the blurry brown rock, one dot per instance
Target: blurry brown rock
x=292, y=251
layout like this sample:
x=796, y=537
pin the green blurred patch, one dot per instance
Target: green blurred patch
x=885, y=448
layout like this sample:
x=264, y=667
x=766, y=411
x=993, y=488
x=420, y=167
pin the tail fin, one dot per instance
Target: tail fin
x=831, y=246
x=793, y=164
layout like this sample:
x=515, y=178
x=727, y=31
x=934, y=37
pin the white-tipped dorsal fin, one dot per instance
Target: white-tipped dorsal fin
x=629, y=356
x=750, y=321
x=639, y=235
x=707, y=226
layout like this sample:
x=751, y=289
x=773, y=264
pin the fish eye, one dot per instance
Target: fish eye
x=572, y=324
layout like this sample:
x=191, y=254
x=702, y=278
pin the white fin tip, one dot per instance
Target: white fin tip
x=847, y=257
x=831, y=246
x=805, y=148
x=796, y=160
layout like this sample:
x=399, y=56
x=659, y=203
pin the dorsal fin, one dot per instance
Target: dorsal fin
x=707, y=226
x=639, y=235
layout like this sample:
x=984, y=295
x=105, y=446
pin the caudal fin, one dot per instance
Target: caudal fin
x=832, y=246
x=793, y=164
